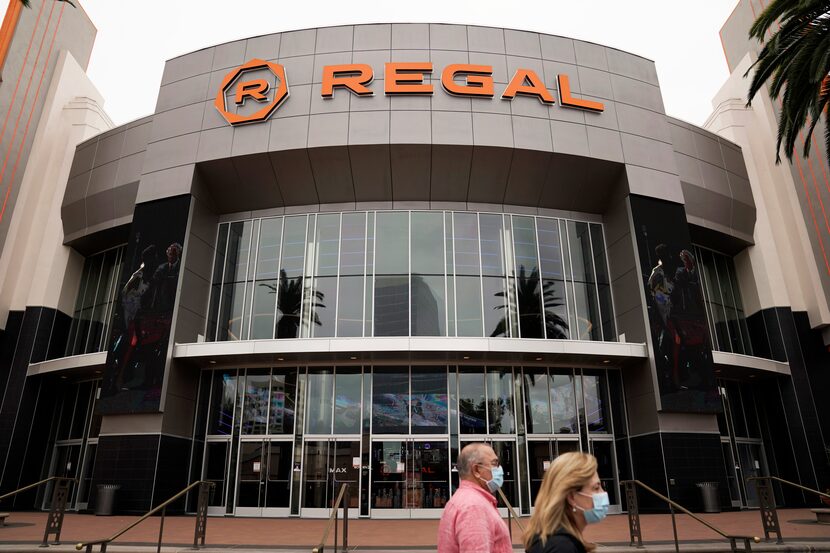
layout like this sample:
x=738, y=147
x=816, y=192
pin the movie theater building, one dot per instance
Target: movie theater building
x=338, y=255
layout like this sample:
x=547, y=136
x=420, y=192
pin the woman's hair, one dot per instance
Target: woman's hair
x=570, y=472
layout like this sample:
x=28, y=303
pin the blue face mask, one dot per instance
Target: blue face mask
x=498, y=478
x=600, y=509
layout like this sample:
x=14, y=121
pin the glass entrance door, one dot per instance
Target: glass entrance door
x=410, y=478
x=264, y=483
x=65, y=459
x=732, y=470
x=540, y=454
x=327, y=465
x=506, y=452
x=752, y=463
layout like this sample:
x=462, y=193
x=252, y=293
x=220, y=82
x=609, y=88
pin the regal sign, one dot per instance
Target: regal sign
x=269, y=88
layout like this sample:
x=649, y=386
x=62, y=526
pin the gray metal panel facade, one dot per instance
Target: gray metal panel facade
x=353, y=150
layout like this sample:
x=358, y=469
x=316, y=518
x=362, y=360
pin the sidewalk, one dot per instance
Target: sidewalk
x=24, y=531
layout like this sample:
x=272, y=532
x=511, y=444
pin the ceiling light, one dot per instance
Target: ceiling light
x=280, y=359
x=606, y=361
x=466, y=357
x=212, y=362
x=353, y=357
x=538, y=358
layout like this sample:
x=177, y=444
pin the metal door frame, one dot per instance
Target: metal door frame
x=261, y=511
x=550, y=439
x=490, y=438
x=325, y=512
x=408, y=512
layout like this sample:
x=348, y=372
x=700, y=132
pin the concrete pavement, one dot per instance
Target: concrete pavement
x=24, y=531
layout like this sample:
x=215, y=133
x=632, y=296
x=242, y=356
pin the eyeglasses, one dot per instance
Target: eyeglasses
x=494, y=463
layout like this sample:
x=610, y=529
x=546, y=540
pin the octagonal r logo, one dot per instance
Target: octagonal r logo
x=254, y=90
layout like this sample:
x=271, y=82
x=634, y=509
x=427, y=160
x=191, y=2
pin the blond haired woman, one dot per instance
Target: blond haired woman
x=571, y=497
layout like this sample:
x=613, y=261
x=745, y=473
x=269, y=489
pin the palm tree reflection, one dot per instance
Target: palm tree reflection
x=290, y=303
x=534, y=296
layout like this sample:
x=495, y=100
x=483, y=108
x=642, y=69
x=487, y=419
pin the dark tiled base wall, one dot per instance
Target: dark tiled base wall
x=28, y=337
x=799, y=441
x=172, y=472
x=686, y=458
x=149, y=469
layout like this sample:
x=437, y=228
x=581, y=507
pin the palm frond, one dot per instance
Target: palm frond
x=794, y=63
x=28, y=3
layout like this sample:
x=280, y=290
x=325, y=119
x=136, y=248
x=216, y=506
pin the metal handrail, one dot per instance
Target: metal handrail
x=162, y=507
x=777, y=479
x=674, y=505
x=766, y=503
x=333, y=521
x=511, y=514
x=35, y=485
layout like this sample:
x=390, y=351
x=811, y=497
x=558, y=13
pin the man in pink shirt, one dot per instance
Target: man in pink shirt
x=471, y=522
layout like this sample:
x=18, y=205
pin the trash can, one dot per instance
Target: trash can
x=709, y=496
x=105, y=500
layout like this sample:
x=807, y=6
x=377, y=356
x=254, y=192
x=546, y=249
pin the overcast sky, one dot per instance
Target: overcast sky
x=136, y=37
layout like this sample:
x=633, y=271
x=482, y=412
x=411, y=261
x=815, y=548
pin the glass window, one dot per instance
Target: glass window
x=326, y=244
x=255, y=403
x=722, y=299
x=293, y=246
x=579, y=241
x=350, y=306
x=390, y=401
x=496, y=310
x=391, y=306
x=323, y=305
x=429, y=400
x=263, y=309
x=392, y=244
x=427, y=243
x=596, y=405
x=320, y=391
x=491, y=235
x=468, y=306
x=537, y=401
x=472, y=401
x=289, y=306
x=550, y=248
x=428, y=313
x=223, y=397
x=282, y=409
x=609, y=332
x=529, y=299
x=81, y=410
x=239, y=246
x=268, y=252
x=353, y=244
x=524, y=240
x=230, y=316
x=216, y=288
x=424, y=274
x=465, y=240
x=556, y=313
x=347, y=399
x=94, y=306
x=500, y=401
x=715, y=301
x=587, y=312
x=563, y=404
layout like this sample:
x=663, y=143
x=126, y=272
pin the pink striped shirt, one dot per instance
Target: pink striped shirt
x=471, y=523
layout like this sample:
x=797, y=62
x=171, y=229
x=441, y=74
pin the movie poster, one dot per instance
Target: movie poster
x=137, y=355
x=676, y=313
